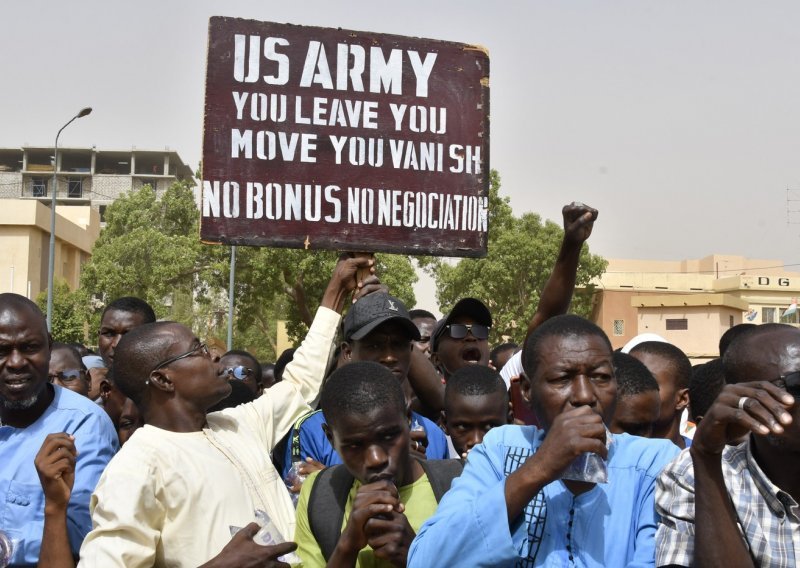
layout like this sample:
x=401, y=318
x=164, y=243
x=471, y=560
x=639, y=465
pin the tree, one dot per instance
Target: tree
x=290, y=282
x=149, y=248
x=69, y=322
x=521, y=254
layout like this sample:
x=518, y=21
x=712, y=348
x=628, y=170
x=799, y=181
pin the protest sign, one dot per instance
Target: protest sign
x=335, y=139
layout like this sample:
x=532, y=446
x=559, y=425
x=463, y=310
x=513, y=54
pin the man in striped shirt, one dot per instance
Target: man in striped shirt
x=737, y=505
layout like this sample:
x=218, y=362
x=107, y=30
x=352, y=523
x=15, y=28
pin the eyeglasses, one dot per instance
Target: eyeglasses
x=202, y=348
x=67, y=375
x=791, y=383
x=239, y=372
x=460, y=330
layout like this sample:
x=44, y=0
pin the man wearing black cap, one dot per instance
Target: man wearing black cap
x=377, y=328
x=462, y=338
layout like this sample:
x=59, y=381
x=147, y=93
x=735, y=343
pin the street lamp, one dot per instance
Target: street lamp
x=52, y=261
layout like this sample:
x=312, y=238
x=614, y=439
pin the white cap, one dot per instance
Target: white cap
x=641, y=338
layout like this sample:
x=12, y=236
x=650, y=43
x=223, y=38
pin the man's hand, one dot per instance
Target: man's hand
x=306, y=468
x=242, y=552
x=390, y=537
x=418, y=443
x=345, y=279
x=55, y=465
x=374, y=500
x=578, y=222
x=758, y=407
x=369, y=285
x=573, y=433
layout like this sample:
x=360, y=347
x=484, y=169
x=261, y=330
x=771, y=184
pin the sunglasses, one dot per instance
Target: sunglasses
x=791, y=383
x=239, y=372
x=202, y=348
x=67, y=376
x=460, y=330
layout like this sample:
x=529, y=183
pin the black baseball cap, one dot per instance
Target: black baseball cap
x=471, y=307
x=373, y=310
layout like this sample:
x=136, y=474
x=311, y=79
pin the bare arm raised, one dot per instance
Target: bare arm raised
x=557, y=293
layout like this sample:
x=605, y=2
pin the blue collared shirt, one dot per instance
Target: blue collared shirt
x=613, y=524
x=22, y=505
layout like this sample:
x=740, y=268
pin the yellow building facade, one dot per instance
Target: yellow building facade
x=691, y=303
x=25, y=244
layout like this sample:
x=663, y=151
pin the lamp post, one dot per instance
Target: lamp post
x=231, y=283
x=52, y=260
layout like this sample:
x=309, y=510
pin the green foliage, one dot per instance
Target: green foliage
x=522, y=252
x=289, y=283
x=150, y=249
x=68, y=312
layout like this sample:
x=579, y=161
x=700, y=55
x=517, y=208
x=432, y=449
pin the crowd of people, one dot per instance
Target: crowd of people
x=388, y=438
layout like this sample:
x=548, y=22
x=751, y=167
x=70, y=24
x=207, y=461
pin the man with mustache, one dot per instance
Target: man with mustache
x=31, y=408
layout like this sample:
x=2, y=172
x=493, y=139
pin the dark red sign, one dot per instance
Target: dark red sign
x=333, y=139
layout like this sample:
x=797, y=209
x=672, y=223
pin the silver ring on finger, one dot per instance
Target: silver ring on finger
x=742, y=402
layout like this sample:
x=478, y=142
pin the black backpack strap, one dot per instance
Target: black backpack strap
x=326, y=506
x=332, y=486
x=441, y=474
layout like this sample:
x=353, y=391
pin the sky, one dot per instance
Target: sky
x=678, y=120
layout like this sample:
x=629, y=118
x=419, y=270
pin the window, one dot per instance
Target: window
x=75, y=187
x=730, y=321
x=102, y=210
x=677, y=324
x=767, y=315
x=619, y=327
x=38, y=187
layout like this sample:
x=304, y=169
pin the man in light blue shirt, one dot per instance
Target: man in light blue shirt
x=30, y=409
x=514, y=506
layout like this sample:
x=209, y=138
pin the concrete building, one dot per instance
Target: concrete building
x=87, y=176
x=692, y=302
x=25, y=244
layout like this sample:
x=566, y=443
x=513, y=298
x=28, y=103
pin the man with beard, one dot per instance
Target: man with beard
x=30, y=409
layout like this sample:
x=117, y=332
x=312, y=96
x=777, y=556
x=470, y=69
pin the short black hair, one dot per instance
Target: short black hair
x=286, y=357
x=268, y=367
x=137, y=353
x=560, y=326
x=133, y=305
x=707, y=380
x=418, y=313
x=731, y=334
x=473, y=380
x=633, y=377
x=736, y=360
x=82, y=349
x=256, y=365
x=500, y=348
x=677, y=359
x=68, y=347
x=360, y=388
x=10, y=300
